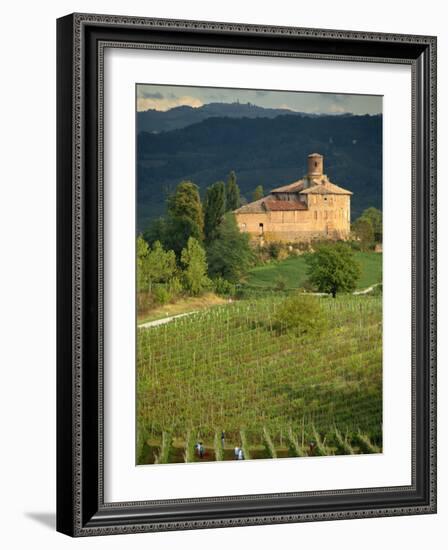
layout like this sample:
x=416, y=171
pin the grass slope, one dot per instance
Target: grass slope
x=293, y=270
x=183, y=305
x=226, y=368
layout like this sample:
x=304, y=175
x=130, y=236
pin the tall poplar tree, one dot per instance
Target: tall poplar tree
x=194, y=262
x=258, y=193
x=233, y=200
x=214, y=209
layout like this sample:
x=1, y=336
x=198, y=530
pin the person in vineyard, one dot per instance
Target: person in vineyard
x=241, y=454
x=223, y=437
x=237, y=452
x=201, y=450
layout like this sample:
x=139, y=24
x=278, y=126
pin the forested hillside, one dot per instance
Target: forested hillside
x=153, y=121
x=262, y=151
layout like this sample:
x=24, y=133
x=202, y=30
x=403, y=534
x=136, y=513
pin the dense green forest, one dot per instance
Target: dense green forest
x=262, y=151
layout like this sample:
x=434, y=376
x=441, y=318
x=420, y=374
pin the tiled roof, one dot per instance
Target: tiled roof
x=326, y=188
x=276, y=205
x=290, y=188
x=271, y=202
x=317, y=186
x=253, y=207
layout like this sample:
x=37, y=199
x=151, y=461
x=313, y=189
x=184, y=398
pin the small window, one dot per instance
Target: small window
x=315, y=164
x=261, y=226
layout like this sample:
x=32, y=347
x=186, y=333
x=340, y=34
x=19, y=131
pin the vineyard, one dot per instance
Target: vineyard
x=274, y=393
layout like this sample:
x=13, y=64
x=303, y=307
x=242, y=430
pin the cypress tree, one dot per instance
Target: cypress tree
x=214, y=209
x=258, y=193
x=233, y=200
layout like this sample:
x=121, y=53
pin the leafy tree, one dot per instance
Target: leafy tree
x=195, y=267
x=258, y=193
x=186, y=202
x=363, y=230
x=233, y=200
x=154, y=265
x=185, y=218
x=375, y=217
x=229, y=255
x=142, y=258
x=156, y=231
x=332, y=268
x=160, y=264
x=214, y=209
x=179, y=230
x=300, y=314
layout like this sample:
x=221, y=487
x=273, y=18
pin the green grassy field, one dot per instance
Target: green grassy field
x=227, y=368
x=293, y=271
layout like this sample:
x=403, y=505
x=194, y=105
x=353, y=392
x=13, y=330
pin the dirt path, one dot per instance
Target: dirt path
x=158, y=322
x=356, y=293
x=366, y=290
x=165, y=320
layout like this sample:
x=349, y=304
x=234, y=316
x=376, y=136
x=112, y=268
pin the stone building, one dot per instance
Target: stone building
x=307, y=209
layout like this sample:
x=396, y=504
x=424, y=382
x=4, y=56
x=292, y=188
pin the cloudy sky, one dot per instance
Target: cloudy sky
x=162, y=98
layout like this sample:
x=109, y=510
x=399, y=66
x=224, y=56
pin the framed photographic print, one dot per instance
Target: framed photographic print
x=246, y=274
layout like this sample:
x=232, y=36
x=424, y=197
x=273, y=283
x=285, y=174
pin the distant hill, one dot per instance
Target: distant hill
x=262, y=151
x=153, y=121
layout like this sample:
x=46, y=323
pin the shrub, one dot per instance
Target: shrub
x=283, y=253
x=354, y=245
x=303, y=246
x=377, y=290
x=175, y=287
x=274, y=250
x=223, y=287
x=161, y=294
x=307, y=286
x=300, y=314
x=280, y=282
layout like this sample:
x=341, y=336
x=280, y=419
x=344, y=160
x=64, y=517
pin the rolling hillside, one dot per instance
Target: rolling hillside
x=266, y=151
x=153, y=121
